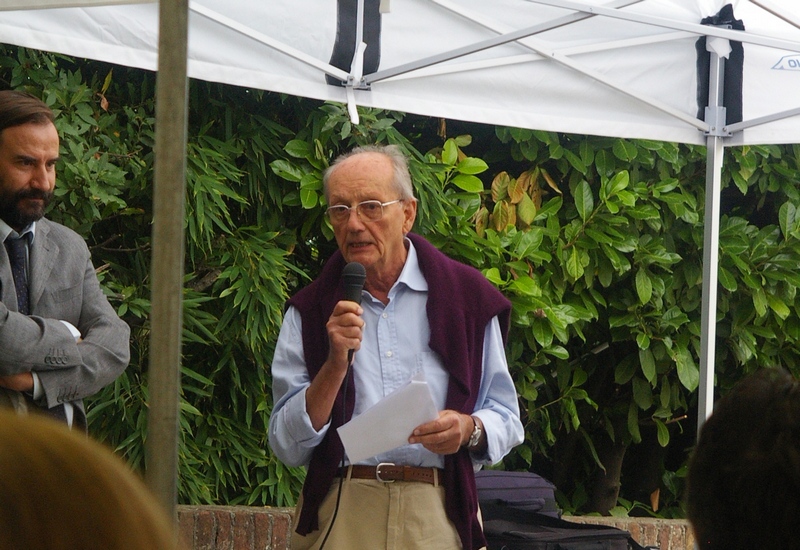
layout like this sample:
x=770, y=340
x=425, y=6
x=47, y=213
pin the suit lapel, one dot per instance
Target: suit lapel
x=42, y=257
x=7, y=293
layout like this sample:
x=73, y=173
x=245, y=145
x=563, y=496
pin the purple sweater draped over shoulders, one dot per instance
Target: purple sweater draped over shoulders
x=461, y=302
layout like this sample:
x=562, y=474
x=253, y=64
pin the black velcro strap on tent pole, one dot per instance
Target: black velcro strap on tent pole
x=345, y=46
x=732, y=93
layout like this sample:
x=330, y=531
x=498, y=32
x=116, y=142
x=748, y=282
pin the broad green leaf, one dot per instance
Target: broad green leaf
x=663, y=433
x=644, y=286
x=471, y=165
x=574, y=266
x=298, y=148
x=625, y=150
x=612, y=187
x=787, y=216
x=308, y=198
x=648, y=364
x=450, y=152
x=625, y=370
x=642, y=393
x=760, y=301
x=525, y=286
x=526, y=210
x=727, y=280
x=542, y=332
x=633, y=423
x=688, y=373
x=285, y=170
x=470, y=184
x=778, y=306
x=584, y=201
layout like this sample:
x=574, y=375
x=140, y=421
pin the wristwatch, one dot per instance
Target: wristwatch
x=475, y=436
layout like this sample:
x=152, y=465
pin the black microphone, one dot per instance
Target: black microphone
x=353, y=276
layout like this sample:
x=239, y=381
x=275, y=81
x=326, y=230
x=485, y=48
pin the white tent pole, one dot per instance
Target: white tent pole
x=739, y=126
x=506, y=36
x=715, y=116
x=700, y=30
x=774, y=10
x=168, y=254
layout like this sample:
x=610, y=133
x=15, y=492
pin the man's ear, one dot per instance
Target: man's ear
x=409, y=214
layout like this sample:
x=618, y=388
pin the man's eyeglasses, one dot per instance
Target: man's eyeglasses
x=368, y=211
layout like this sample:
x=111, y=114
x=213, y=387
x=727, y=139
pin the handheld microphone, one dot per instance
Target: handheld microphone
x=353, y=276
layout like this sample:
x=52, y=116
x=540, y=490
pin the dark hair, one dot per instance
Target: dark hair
x=17, y=108
x=743, y=484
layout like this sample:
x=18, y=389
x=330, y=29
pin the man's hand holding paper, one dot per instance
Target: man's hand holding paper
x=389, y=423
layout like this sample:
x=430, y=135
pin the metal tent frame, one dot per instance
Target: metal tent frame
x=174, y=18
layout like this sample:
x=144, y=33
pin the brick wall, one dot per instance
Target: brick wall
x=234, y=527
x=263, y=528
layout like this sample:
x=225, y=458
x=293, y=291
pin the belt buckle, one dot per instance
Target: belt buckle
x=378, y=472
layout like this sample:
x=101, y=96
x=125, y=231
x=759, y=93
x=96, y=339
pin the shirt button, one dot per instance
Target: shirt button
x=389, y=354
x=385, y=315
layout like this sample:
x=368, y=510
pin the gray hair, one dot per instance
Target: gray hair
x=401, y=179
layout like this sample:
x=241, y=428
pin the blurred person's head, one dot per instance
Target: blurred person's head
x=62, y=491
x=744, y=474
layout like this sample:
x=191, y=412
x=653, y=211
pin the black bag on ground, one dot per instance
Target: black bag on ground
x=522, y=490
x=509, y=528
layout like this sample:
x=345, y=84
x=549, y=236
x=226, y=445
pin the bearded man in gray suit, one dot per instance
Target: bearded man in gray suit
x=60, y=339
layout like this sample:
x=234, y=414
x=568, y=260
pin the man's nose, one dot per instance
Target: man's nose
x=41, y=177
x=354, y=219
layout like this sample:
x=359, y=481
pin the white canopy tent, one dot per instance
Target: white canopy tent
x=625, y=68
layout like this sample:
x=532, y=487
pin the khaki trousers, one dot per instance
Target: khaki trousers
x=374, y=515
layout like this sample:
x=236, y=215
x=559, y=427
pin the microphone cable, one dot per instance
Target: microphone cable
x=341, y=464
x=354, y=274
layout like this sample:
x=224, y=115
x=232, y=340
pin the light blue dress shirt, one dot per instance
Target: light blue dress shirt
x=394, y=347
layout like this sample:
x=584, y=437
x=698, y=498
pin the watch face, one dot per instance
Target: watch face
x=475, y=437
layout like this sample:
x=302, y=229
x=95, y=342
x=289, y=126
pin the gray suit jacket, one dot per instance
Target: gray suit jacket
x=63, y=286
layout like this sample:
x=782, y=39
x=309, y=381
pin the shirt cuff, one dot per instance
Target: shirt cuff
x=38, y=391
x=74, y=331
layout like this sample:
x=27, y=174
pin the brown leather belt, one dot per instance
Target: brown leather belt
x=388, y=472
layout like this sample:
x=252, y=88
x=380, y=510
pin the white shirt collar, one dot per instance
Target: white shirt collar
x=6, y=230
x=411, y=276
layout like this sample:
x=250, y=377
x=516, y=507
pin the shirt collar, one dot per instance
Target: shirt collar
x=6, y=230
x=411, y=276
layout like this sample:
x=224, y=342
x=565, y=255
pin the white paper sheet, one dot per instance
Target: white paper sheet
x=389, y=422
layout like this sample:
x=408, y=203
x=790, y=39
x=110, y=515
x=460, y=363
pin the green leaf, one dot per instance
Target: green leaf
x=727, y=280
x=450, y=152
x=308, y=198
x=298, y=148
x=472, y=165
x=470, y=184
x=688, y=373
x=526, y=210
x=648, y=363
x=615, y=185
x=574, y=266
x=285, y=170
x=760, y=301
x=642, y=393
x=644, y=286
x=778, y=306
x=663, y=433
x=625, y=150
x=525, y=286
x=584, y=201
x=786, y=217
